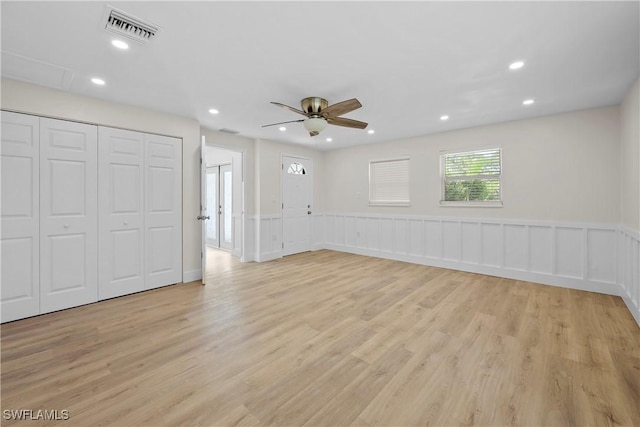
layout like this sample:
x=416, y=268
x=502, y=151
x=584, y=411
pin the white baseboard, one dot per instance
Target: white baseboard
x=191, y=276
x=525, y=276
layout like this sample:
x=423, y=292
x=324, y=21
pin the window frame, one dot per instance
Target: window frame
x=470, y=203
x=391, y=202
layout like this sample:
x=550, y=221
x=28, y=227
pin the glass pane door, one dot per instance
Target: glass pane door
x=226, y=205
x=212, y=206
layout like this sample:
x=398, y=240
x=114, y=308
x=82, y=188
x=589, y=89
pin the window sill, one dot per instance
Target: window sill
x=489, y=204
x=389, y=203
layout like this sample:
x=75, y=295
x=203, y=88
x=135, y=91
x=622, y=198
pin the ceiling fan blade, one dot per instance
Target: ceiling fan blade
x=341, y=108
x=286, y=107
x=281, y=123
x=349, y=123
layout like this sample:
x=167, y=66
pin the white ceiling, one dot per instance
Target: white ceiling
x=407, y=62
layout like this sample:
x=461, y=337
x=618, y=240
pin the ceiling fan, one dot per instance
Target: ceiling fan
x=319, y=114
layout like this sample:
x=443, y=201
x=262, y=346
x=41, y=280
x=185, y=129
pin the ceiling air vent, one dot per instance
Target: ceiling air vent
x=128, y=26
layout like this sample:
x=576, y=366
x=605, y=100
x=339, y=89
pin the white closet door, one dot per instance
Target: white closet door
x=121, y=212
x=68, y=214
x=19, y=213
x=163, y=210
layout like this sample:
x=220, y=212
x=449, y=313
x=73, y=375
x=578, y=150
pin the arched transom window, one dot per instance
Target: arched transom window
x=296, y=169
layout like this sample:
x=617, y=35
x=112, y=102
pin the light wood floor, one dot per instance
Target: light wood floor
x=331, y=339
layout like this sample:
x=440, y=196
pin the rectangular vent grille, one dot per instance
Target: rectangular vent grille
x=130, y=27
x=231, y=131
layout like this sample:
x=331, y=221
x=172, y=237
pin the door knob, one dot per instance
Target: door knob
x=202, y=217
x=308, y=212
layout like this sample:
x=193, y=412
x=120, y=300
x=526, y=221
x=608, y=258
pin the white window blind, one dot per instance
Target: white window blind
x=389, y=182
x=472, y=177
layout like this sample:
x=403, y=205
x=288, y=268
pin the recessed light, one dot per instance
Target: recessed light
x=443, y=118
x=516, y=65
x=329, y=139
x=528, y=102
x=97, y=81
x=282, y=128
x=371, y=131
x=214, y=111
x=120, y=44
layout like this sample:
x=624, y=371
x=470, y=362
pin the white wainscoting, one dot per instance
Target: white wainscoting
x=579, y=256
x=237, y=235
x=268, y=237
x=250, y=230
x=629, y=269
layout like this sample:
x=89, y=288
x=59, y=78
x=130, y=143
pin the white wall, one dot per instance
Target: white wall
x=218, y=156
x=562, y=168
x=38, y=100
x=630, y=159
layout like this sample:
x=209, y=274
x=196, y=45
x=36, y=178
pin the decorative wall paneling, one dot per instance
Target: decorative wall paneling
x=88, y=213
x=250, y=234
x=269, y=237
x=629, y=269
x=237, y=235
x=581, y=256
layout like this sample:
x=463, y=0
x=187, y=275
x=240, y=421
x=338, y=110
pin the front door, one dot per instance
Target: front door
x=297, y=196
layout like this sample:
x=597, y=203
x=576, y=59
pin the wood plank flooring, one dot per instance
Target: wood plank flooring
x=330, y=339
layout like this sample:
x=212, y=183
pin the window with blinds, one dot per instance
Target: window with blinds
x=472, y=178
x=389, y=182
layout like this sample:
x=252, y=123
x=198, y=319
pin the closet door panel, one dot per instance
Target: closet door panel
x=121, y=212
x=19, y=216
x=68, y=214
x=163, y=210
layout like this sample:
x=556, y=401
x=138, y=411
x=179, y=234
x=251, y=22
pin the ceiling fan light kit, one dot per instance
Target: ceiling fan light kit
x=320, y=114
x=315, y=124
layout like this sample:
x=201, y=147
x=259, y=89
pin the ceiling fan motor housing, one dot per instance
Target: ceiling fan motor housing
x=314, y=105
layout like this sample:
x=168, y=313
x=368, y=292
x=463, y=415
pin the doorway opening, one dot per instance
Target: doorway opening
x=221, y=206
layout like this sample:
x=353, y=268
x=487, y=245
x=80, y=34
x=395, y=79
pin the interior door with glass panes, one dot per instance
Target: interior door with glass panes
x=226, y=205
x=212, y=206
x=219, y=230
